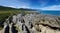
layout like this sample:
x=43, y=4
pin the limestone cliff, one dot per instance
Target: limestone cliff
x=32, y=23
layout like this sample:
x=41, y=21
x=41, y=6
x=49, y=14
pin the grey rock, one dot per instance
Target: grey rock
x=35, y=23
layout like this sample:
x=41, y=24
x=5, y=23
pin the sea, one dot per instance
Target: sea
x=57, y=13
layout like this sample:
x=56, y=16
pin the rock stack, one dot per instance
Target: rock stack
x=32, y=23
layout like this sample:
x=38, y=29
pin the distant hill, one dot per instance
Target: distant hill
x=4, y=8
x=26, y=9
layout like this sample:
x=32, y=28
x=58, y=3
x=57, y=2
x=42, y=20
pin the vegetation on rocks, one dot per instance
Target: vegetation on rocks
x=29, y=22
x=6, y=12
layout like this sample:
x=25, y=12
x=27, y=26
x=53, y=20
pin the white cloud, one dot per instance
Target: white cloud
x=54, y=7
x=24, y=6
x=43, y=2
x=21, y=6
x=16, y=3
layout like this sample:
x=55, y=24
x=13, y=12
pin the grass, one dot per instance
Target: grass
x=5, y=14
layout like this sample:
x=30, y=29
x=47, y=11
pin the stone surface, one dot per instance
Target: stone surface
x=33, y=23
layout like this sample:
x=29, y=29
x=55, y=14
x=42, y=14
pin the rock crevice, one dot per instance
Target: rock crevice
x=32, y=23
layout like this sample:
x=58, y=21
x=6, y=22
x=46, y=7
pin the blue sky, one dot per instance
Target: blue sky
x=34, y=4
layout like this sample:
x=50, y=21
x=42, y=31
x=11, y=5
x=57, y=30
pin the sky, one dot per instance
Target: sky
x=33, y=4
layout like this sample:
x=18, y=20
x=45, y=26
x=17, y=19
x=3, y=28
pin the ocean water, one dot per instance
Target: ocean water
x=57, y=13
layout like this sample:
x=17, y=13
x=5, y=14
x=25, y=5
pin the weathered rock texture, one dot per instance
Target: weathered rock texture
x=32, y=23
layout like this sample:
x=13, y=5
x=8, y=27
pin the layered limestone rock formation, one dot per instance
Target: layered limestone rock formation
x=32, y=23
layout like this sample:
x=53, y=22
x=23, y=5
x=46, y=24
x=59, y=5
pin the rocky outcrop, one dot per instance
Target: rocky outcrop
x=32, y=23
x=43, y=22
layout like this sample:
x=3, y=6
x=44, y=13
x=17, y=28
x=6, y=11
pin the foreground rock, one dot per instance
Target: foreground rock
x=33, y=23
x=44, y=23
